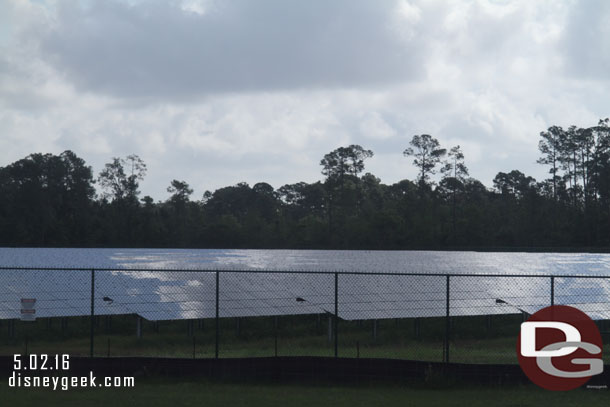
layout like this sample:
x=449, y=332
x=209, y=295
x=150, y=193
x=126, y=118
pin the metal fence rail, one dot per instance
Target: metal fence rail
x=231, y=313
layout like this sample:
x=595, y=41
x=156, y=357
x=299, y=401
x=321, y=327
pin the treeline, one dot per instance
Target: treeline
x=50, y=200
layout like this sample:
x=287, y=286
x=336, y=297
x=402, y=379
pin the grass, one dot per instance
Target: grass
x=473, y=339
x=472, y=342
x=152, y=392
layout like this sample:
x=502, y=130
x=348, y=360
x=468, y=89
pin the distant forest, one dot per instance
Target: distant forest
x=50, y=200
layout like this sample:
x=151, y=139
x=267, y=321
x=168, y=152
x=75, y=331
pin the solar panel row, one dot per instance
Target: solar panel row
x=164, y=295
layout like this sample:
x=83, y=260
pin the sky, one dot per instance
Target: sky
x=219, y=92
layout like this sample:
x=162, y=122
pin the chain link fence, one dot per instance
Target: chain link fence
x=466, y=318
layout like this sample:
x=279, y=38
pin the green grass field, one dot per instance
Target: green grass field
x=164, y=392
x=473, y=339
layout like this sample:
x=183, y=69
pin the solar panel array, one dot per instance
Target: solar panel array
x=170, y=295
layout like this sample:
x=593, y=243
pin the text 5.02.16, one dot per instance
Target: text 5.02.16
x=41, y=362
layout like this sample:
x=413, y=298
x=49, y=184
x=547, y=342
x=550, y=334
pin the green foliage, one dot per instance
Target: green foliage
x=428, y=154
x=119, y=179
x=345, y=160
x=49, y=200
x=45, y=199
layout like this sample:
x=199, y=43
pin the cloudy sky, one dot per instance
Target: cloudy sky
x=219, y=92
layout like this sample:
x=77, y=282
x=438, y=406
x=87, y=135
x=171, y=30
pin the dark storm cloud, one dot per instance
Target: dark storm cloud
x=160, y=50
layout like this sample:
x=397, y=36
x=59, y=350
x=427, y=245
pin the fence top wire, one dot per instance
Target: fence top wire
x=301, y=271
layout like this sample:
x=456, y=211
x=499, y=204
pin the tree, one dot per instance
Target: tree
x=180, y=191
x=345, y=160
x=550, y=147
x=179, y=216
x=427, y=153
x=600, y=166
x=45, y=199
x=49, y=200
x=116, y=183
x=514, y=183
x=265, y=201
x=119, y=180
x=454, y=167
x=112, y=179
x=568, y=158
x=264, y=189
x=336, y=165
x=585, y=142
x=304, y=198
x=455, y=172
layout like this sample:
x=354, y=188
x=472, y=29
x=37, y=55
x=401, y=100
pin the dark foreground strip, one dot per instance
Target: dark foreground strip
x=299, y=368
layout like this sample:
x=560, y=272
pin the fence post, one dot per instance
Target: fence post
x=336, y=330
x=447, y=322
x=552, y=290
x=92, y=312
x=275, y=335
x=217, y=313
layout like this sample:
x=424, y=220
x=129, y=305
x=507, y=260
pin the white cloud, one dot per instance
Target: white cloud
x=375, y=127
x=165, y=51
x=221, y=92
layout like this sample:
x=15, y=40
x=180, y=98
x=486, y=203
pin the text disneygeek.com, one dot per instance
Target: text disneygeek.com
x=39, y=363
